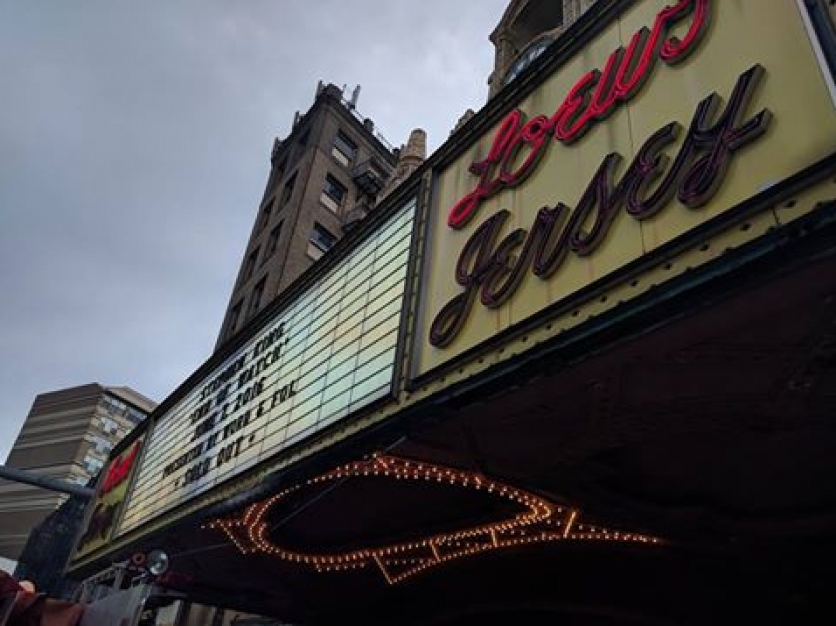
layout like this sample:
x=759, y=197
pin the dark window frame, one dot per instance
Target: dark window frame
x=256, y=296
x=332, y=182
x=322, y=238
x=287, y=190
x=344, y=146
x=266, y=214
x=305, y=136
x=234, y=317
x=272, y=242
x=251, y=264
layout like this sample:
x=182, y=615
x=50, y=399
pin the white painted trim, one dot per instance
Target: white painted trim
x=817, y=50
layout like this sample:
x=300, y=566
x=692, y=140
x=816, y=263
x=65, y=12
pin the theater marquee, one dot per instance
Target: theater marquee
x=674, y=115
x=329, y=353
x=110, y=496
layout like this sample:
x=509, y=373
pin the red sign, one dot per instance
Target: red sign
x=593, y=98
x=103, y=516
x=120, y=469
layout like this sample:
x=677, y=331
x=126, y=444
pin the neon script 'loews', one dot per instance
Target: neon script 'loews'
x=492, y=266
x=593, y=98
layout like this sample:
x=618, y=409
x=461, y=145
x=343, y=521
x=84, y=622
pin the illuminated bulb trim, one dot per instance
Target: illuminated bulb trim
x=540, y=521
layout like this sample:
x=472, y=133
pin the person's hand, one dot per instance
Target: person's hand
x=27, y=585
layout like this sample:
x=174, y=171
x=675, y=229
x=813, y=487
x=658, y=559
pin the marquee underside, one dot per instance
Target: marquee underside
x=705, y=422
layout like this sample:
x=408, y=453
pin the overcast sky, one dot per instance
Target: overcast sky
x=134, y=148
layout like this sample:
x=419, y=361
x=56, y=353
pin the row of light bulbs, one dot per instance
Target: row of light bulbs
x=539, y=521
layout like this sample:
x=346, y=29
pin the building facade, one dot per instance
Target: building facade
x=325, y=177
x=577, y=368
x=526, y=29
x=68, y=435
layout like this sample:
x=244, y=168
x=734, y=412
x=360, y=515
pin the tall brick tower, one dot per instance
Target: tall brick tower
x=325, y=176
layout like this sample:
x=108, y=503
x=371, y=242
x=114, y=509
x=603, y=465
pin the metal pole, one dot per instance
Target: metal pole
x=45, y=482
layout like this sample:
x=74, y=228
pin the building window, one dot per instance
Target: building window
x=249, y=268
x=320, y=241
x=114, y=406
x=344, y=149
x=272, y=242
x=109, y=427
x=333, y=193
x=287, y=191
x=234, y=316
x=101, y=445
x=303, y=139
x=92, y=464
x=135, y=416
x=280, y=169
x=377, y=169
x=255, y=298
x=265, y=215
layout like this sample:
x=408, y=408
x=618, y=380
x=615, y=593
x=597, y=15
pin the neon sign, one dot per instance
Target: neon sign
x=120, y=469
x=104, y=514
x=492, y=265
x=594, y=97
x=494, y=268
x=537, y=520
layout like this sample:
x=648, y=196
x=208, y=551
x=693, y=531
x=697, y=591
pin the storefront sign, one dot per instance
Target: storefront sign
x=120, y=469
x=592, y=98
x=686, y=119
x=328, y=354
x=108, y=502
x=493, y=269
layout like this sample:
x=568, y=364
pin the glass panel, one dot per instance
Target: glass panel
x=337, y=349
x=329, y=202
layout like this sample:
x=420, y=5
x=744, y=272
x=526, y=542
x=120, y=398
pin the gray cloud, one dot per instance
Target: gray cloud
x=134, y=145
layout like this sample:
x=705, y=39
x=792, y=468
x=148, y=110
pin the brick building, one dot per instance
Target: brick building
x=578, y=367
x=325, y=176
